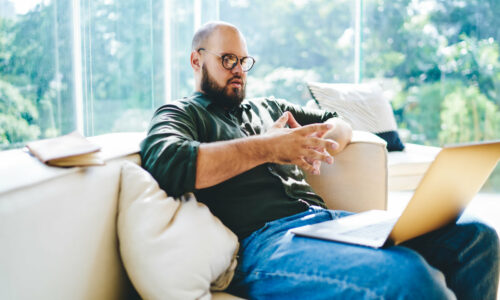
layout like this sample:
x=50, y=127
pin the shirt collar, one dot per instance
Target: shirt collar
x=201, y=99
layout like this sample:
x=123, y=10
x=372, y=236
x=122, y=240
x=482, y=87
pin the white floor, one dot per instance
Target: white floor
x=485, y=206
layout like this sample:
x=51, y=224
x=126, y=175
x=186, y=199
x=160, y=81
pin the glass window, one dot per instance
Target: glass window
x=36, y=72
x=442, y=59
x=97, y=67
x=182, y=27
x=294, y=41
x=122, y=64
x=104, y=66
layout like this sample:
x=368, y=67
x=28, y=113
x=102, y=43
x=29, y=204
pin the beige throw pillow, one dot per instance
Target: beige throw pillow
x=171, y=248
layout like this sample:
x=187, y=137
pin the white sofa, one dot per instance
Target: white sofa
x=58, y=225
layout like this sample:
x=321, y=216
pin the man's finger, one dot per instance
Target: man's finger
x=281, y=122
x=291, y=121
x=316, y=164
x=312, y=128
x=304, y=165
x=319, y=143
x=313, y=155
x=321, y=134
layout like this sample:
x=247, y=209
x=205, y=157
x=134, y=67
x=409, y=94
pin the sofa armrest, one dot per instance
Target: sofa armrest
x=357, y=180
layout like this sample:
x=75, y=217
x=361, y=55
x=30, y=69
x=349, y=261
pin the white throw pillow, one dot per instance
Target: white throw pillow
x=171, y=248
x=363, y=105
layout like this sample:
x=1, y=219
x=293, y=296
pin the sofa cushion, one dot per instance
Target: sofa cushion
x=171, y=248
x=362, y=105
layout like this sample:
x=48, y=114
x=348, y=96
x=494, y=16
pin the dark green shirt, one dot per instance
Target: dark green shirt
x=247, y=201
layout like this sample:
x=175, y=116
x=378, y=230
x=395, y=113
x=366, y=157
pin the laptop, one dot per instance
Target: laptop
x=449, y=184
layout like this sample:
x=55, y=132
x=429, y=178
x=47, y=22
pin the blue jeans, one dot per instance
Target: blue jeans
x=458, y=261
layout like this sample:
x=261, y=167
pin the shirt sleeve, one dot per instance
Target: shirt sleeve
x=170, y=149
x=304, y=115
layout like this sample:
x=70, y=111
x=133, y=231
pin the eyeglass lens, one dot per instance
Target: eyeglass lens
x=229, y=61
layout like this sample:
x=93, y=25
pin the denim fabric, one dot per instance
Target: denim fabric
x=276, y=264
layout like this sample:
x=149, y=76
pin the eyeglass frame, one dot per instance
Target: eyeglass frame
x=238, y=60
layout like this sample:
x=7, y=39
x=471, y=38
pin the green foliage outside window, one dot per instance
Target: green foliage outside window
x=467, y=115
x=445, y=55
x=17, y=116
x=35, y=76
x=294, y=42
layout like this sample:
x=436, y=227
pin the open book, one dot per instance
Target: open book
x=66, y=151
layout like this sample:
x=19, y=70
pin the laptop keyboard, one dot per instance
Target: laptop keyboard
x=372, y=231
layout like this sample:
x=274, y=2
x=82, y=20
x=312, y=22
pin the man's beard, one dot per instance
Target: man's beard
x=220, y=95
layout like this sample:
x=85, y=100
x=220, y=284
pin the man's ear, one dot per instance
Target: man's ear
x=195, y=61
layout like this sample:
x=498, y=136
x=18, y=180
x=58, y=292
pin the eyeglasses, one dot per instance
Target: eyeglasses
x=229, y=61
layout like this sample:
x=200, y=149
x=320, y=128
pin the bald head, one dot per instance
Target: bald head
x=202, y=36
x=223, y=85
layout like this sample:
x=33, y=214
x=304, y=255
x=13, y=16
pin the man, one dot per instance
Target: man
x=240, y=158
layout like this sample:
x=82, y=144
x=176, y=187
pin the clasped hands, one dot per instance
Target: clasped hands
x=304, y=146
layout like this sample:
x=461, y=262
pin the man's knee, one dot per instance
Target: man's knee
x=413, y=278
x=489, y=242
x=488, y=235
x=483, y=237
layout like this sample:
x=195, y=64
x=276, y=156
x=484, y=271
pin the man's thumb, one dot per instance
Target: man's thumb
x=281, y=122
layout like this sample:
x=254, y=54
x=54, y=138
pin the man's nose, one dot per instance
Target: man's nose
x=238, y=69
